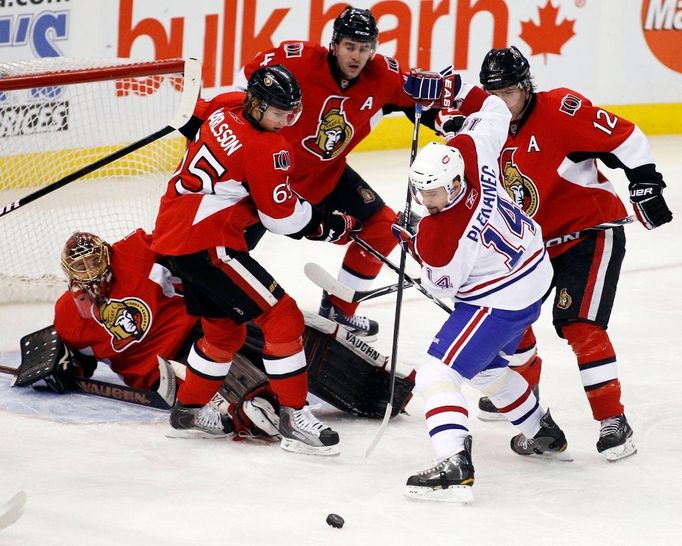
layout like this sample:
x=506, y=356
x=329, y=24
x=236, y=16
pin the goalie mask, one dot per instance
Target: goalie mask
x=437, y=166
x=86, y=260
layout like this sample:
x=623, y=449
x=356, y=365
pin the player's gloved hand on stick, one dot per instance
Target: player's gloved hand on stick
x=649, y=205
x=336, y=227
x=433, y=89
x=406, y=238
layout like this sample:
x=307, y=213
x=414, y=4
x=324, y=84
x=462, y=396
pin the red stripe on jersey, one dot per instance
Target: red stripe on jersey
x=592, y=278
x=463, y=338
x=445, y=409
x=498, y=279
x=240, y=281
x=516, y=403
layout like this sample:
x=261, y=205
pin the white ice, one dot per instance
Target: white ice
x=100, y=472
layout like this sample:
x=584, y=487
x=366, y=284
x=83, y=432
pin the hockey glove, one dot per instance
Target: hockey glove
x=448, y=123
x=437, y=89
x=256, y=415
x=649, y=205
x=336, y=228
x=406, y=239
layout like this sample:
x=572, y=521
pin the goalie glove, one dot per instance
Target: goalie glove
x=336, y=228
x=256, y=416
x=433, y=89
x=649, y=205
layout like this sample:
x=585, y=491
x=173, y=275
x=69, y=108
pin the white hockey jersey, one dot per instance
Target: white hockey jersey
x=482, y=249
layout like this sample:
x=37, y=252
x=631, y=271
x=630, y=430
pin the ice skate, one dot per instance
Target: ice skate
x=357, y=324
x=302, y=432
x=202, y=422
x=450, y=480
x=548, y=442
x=615, y=439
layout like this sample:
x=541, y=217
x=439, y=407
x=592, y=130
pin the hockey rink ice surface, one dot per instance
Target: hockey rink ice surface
x=102, y=472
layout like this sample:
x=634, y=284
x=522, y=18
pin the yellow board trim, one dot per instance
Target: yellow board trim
x=652, y=119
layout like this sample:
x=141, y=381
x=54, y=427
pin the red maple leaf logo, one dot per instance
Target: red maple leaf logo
x=548, y=36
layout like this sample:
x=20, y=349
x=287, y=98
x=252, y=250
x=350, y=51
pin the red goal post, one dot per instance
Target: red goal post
x=62, y=116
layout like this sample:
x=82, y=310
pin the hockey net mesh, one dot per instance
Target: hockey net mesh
x=50, y=131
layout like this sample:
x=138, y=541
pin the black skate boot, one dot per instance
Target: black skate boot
x=302, y=432
x=199, y=422
x=615, y=438
x=357, y=324
x=448, y=481
x=549, y=441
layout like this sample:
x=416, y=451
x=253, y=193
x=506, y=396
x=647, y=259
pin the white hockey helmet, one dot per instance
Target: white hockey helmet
x=435, y=166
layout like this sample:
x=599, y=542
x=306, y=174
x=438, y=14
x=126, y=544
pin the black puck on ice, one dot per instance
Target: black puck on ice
x=335, y=521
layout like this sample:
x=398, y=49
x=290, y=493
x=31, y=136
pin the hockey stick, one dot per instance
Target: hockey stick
x=599, y=227
x=401, y=281
x=190, y=94
x=162, y=399
x=323, y=279
x=406, y=278
x=11, y=511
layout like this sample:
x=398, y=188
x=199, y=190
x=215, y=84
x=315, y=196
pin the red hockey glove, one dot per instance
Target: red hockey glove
x=448, y=123
x=406, y=238
x=336, y=227
x=437, y=89
x=649, y=205
x=256, y=416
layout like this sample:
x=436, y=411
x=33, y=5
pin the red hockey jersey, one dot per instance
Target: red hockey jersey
x=548, y=164
x=232, y=175
x=143, y=317
x=334, y=120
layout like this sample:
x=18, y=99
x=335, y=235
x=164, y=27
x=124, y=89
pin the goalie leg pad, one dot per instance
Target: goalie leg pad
x=349, y=373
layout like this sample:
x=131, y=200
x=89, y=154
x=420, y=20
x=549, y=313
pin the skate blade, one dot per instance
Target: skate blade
x=193, y=434
x=561, y=456
x=622, y=451
x=294, y=446
x=461, y=494
x=490, y=416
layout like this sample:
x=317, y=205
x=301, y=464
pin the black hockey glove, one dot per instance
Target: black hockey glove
x=336, y=227
x=649, y=205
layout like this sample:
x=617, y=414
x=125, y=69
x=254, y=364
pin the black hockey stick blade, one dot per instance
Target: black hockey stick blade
x=190, y=94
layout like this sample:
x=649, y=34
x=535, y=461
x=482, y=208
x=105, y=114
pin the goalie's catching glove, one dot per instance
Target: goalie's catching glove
x=336, y=228
x=649, y=205
x=256, y=416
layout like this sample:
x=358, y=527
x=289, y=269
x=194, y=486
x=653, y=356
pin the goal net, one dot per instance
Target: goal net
x=58, y=115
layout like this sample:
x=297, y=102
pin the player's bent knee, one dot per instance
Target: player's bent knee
x=433, y=376
x=492, y=381
x=282, y=328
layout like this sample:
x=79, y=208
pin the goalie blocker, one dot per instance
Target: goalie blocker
x=343, y=369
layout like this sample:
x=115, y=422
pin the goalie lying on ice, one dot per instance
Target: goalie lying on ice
x=124, y=307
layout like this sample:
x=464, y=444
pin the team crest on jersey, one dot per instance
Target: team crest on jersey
x=564, y=299
x=282, y=160
x=334, y=133
x=127, y=320
x=570, y=104
x=392, y=64
x=520, y=188
x=293, y=50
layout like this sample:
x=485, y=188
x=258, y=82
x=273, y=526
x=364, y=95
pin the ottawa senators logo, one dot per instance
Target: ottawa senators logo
x=334, y=133
x=520, y=188
x=127, y=321
x=564, y=299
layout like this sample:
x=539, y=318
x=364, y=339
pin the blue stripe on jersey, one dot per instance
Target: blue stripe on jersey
x=527, y=415
x=505, y=285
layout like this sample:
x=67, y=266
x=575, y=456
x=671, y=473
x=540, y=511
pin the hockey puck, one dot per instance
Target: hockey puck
x=336, y=521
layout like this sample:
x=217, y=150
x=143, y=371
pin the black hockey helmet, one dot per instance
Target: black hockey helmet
x=275, y=86
x=504, y=68
x=356, y=24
